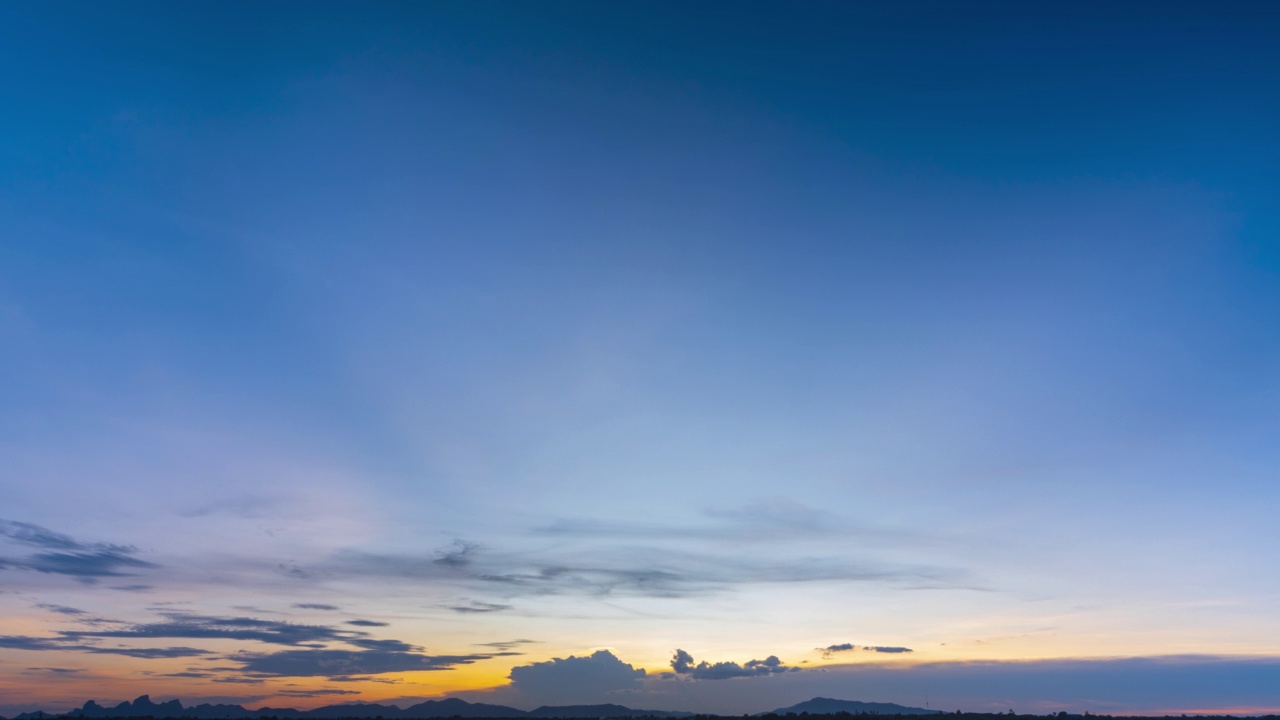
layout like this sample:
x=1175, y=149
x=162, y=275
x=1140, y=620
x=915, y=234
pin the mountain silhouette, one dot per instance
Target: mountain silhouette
x=144, y=707
x=598, y=711
x=829, y=706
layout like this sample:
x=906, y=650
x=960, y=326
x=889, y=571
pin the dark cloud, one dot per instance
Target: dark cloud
x=387, y=645
x=314, y=693
x=63, y=555
x=318, y=663
x=85, y=565
x=479, y=607
x=830, y=650
x=63, y=643
x=571, y=678
x=132, y=588
x=363, y=678
x=40, y=537
x=1123, y=686
x=507, y=644
x=25, y=642
x=146, y=653
x=315, y=606
x=56, y=670
x=61, y=609
x=367, y=623
x=238, y=680
x=682, y=664
x=181, y=625
x=884, y=649
x=187, y=674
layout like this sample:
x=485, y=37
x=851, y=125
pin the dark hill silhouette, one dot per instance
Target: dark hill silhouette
x=355, y=710
x=598, y=711
x=829, y=706
x=453, y=707
x=144, y=707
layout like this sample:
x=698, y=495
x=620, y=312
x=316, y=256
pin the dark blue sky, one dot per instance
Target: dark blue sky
x=919, y=324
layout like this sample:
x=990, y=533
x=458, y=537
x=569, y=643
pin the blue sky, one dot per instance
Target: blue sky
x=745, y=329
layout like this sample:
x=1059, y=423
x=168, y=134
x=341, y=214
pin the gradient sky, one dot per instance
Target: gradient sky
x=502, y=349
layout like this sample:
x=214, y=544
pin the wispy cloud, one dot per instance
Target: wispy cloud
x=830, y=650
x=317, y=663
x=479, y=607
x=61, y=554
x=208, y=627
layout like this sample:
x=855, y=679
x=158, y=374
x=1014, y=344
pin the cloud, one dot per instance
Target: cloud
x=604, y=570
x=239, y=680
x=85, y=565
x=25, y=642
x=363, y=678
x=572, y=678
x=507, y=644
x=313, y=693
x=316, y=663
x=61, y=609
x=181, y=625
x=682, y=664
x=146, y=653
x=388, y=645
x=829, y=650
x=479, y=607
x=459, y=555
x=367, y=623
x=758, y=523
x=64, y=555
x=315, y=606
x=63, y=643
x=40, y=537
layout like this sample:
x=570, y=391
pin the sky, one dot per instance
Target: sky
x=707, y=356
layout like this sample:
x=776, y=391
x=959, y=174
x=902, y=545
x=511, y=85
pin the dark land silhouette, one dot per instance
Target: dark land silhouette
x=143, y=708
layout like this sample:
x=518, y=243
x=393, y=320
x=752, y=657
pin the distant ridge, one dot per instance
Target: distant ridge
x=144, y=707
x=829, y=706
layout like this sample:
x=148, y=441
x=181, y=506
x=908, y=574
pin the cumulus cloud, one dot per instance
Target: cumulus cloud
x=682, y=664
x=569, y=679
